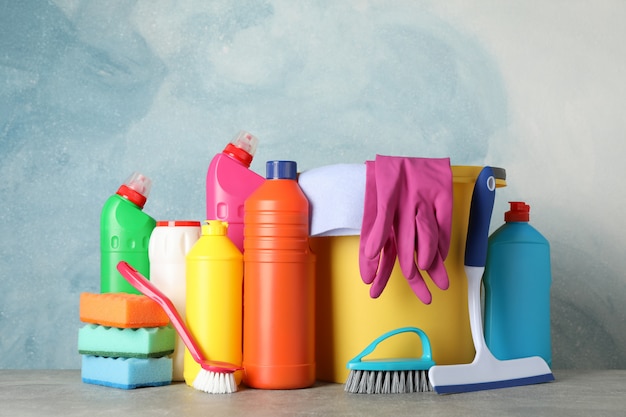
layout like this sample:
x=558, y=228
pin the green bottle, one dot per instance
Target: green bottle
x=124, y=234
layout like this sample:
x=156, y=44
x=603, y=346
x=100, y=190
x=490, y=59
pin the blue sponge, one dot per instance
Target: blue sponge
x=126, y=373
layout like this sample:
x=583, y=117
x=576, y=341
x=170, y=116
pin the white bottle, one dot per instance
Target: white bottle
x=169, y=243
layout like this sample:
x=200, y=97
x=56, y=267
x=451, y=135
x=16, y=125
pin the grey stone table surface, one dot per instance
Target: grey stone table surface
x=62, y=393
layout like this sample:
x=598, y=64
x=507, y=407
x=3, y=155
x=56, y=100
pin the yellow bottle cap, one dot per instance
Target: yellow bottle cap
x=214, y=228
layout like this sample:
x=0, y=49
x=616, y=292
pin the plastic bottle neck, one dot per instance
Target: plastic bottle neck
x=519, y=212
x=131, y=195
x=281, y=170
x=238, y=154
x=214, y=228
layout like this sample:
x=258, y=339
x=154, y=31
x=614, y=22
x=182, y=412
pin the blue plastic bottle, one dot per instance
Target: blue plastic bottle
x=517, y=283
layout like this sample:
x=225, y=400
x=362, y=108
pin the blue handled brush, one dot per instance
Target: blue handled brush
x=485, y=371
x=390, y=376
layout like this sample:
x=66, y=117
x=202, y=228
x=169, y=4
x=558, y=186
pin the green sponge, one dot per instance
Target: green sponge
x=145, y=342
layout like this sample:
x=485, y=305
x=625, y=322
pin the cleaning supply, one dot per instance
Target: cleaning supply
x=347, y=318
x=229, y=182
x=125, y=232
x=279, y=284
x=391, y=376
x=408, y=211
x=214, y=377
x=335, y=193
x=125, y=342
x=517, y=289
x=126, y=373
x=485, y=371
x=123, y=310
x=146, y=342
x=170, y=242
x=214, y=298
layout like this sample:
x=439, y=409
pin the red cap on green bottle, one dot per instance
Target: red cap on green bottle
x=136, y=189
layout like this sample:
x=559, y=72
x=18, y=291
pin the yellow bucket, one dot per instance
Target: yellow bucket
x=347, y=319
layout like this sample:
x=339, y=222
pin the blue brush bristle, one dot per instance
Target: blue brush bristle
x=126, y=373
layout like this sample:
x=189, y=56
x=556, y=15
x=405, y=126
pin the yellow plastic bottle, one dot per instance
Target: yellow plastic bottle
x=214, y=275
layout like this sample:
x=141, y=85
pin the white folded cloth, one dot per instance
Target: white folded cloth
x=336, y=194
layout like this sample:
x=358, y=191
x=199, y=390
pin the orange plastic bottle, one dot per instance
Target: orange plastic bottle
x=279, y=284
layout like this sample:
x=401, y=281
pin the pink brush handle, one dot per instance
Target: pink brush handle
x=137, y=280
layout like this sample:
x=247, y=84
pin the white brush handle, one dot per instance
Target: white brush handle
x=474, y=277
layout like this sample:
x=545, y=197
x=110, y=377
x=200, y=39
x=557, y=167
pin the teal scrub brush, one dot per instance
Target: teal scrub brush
x=390, y=376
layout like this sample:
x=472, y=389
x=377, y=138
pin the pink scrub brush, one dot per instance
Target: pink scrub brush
x=215, y=377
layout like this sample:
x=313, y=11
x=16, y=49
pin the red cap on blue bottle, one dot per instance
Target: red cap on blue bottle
x=520, y=212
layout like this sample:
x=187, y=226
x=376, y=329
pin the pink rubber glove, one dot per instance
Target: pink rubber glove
x=377, y=269
x=414, y=209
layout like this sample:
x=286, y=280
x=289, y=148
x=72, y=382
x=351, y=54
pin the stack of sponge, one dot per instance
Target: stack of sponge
x=125, y=342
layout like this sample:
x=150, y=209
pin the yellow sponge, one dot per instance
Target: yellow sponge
x=121, y=310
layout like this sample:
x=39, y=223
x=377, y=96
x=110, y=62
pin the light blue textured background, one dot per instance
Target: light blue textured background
x=93, y=90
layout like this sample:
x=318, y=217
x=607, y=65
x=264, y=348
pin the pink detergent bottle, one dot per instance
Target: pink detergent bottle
x=229, y=182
